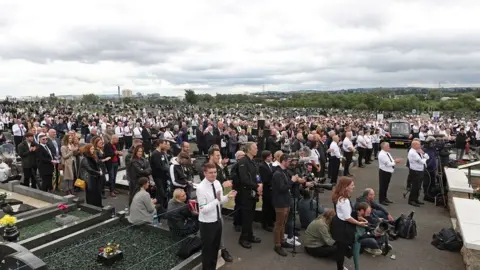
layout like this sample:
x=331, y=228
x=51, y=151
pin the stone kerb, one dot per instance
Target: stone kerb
x=37, y=194
x=451, y=206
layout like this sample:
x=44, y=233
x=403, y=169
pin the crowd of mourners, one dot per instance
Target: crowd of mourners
x=283, y=157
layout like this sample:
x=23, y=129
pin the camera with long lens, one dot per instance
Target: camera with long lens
x=303, y=172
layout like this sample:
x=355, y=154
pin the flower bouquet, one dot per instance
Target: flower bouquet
x=109, y=254
x=63, y=208
x=10, y=231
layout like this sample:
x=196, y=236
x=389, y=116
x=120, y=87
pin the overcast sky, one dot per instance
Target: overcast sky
x=78, y=47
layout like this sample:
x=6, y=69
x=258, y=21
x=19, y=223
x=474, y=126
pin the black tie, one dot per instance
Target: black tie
x=391, y=160
x=270, y=166
x=215, y=195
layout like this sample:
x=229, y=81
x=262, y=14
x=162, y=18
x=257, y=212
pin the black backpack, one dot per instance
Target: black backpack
x=406, y=227
x=447, y=239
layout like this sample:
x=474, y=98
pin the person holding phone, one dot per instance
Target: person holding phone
x=343, y=226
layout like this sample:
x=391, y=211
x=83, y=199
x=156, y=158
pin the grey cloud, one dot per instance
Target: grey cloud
x=91, y=46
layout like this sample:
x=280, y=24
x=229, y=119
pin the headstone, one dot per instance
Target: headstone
x=63, y=220
x=23, y=260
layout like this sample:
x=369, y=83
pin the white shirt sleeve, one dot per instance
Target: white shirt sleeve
x=344, y=209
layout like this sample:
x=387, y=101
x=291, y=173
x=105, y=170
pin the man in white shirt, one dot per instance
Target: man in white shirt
x=210, y=200
x=335, y=157
x=417, y=160
x=348, y=150
x=386, y=165
x=361, y=148
x=120, y=132
x=18, y=131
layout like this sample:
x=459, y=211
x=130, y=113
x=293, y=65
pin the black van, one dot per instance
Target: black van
x=400, y=133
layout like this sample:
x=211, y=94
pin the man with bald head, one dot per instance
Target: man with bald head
x=417, y=163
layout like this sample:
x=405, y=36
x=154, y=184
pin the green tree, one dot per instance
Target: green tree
x=385, y=105
x=190, y=96
x=90, y=99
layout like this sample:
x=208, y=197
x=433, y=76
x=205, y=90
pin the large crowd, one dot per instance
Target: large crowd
x=283, y=156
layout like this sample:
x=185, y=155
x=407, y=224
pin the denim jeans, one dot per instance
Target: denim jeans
x=460, y=153
x=112, y=176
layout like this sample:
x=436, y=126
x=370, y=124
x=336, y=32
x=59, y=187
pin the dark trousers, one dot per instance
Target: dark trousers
x=368, y=155
x=321, y=252
x=128, y=141
x=383, y=183
x=335, y=166
x=161, y=193
x=323, y=163
x=112, y=176
x=348, y=161
x=416, y=179
x=17, y=140
x=329, y=172
x=237, y=216
x=47, y=182
x=121, y=143
x=361, y=155
x=429, y=181
x=342, y=250
x=30, y=174
x=211, y=234
x=376, y=149
x=248, y=213
x=268, y=212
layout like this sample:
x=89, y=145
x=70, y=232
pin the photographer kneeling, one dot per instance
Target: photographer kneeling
x=308, y=208
x=317, y=240
x=371, y=238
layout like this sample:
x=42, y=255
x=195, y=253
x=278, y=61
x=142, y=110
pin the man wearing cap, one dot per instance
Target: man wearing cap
x=26, y=151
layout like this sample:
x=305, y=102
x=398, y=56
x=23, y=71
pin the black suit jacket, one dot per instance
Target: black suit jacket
x=52, y=147
x=147, y=140
x=209, y=140
x=266, y=174
x=44, y=161
x=29, y=159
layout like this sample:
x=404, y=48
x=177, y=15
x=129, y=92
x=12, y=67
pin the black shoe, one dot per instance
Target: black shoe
x=226, y=255
x=280, y=251
x=388, y=201
x=286, y=245
x=267, y=228
x=384, y=203
x=414, y=204
x=245, y=244
x=419, y=202
x=429, y=199
x=255, y=240
x=238, y=228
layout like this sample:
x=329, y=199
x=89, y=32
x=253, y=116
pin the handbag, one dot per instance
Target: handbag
x=81, y=184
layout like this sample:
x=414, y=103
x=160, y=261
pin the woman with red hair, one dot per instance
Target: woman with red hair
x=343, y=225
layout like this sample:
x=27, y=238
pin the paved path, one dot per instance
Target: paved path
x=25, y=199
x=410, y=254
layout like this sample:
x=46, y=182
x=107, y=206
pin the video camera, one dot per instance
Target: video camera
x=302, y=171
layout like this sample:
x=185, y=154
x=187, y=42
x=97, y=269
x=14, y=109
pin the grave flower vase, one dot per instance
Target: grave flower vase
x=11, y=234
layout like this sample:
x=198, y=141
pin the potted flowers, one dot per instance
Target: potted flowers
x=10, y=231
x=109, y=254
x=63, y=208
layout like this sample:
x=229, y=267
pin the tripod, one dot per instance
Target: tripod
x=294, y=216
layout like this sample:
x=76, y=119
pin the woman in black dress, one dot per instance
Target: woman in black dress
x=343, y=225
x=91, y=172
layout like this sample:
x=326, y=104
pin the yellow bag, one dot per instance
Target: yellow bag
x=80, y=184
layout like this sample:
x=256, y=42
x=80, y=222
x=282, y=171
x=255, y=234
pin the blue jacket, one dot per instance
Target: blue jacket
x=432, y=161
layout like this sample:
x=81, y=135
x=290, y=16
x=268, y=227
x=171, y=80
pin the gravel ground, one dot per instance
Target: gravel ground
x=47, y=225
x=142, y=249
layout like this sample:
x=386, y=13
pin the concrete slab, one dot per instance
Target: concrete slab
x=25, y=199
x=457, y=181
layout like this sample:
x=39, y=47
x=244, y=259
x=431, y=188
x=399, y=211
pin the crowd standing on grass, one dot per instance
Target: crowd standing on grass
x=276, y=155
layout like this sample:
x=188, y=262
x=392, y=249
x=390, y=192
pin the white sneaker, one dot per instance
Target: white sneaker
x=285, y=236
x=290, y=241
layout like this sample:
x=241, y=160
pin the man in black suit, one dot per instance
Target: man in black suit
x=147, y=139
x=265, y=170
x=54, y=144
x=46, y=163
x=26, y=150
x=322, y=150
x=209, y=137
x=201, y=141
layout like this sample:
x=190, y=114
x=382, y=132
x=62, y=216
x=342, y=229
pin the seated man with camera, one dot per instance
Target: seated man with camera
x=182, y=221
x=374, y=238
x=378, y=212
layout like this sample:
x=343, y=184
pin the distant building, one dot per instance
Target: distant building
x=126, y=93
